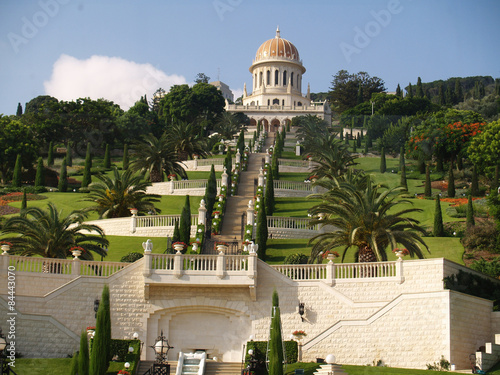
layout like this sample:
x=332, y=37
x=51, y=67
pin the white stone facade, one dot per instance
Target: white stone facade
x=405, y=319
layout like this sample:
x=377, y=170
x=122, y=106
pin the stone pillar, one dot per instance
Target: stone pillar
x=224, y=177
x=133, y=223
x=297, y=149
x=75, y=267
x=252, y=266
x=261, y=178
x=171, y=186
x=148, y=248
x=399, y=271
x=178, y=264
x=330, y=273
x=250, y=213
x=238, y=156
x=202, y=213
x=195, y=162
x=220, y=272
x=267, y=158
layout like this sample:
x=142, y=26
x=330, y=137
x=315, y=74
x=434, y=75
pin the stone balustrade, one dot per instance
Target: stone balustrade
x=293, y=185
x=74, y=267
x=282, y=222
x=160, y=221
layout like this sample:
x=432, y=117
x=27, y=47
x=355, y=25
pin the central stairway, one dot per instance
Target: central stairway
x=222, y=368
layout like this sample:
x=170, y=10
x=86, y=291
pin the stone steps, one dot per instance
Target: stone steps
x=222, y=368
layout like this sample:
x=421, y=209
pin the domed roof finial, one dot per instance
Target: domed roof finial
x=278, y=32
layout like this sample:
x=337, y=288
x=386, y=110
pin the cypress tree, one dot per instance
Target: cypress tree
x=176, y=237
x=459, y=94
x=439, y=164
x=125, y=157
x=261, y=232
x=420, y=91
x=16, y=177
x=470, y=212
x=366, y=147
x=401, y=157
x=210, y=193
x=87, y=174
x=63, y=178
x=269, y=201
x=50, y=157
x=451, y=182
x=69, y=155
x=352, y=126
x=442, y=100
x=19, y=111
x=428, y=191
x=39, y=177
x=421, y=163
x=185, y=223
x=100, y=355
x=474, y=186
x=24, y=202
x=399, y=93
x=107, y=158
x=83, y=355
x=369, y=142
x=383, y=165
x=438, y=219
x=275, y=168
x=275, y=339
x=410, y=91
x=404, y=182
x=74, y=364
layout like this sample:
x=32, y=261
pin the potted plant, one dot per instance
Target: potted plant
x=133, y=211
x=330, y=255
x=5, y=246
x=299, y=334
x=400, y=253
x=221, y=246
x=179, y=246
x=76, y=251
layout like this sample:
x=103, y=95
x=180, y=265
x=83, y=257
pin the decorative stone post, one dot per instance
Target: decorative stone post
x=195, y=162
x=148, y=248
x=267, y=158
x=133, y=223
x=224, y=177
x=178, y=265
x=252, y=265
x=75, y=267
x=171, y=186
x=250, y=213
x=330, y=273
x=399, y=271
x=261, y=178
x=221, y=266
x=238, y=156
x=297, y=149
x=202, y=213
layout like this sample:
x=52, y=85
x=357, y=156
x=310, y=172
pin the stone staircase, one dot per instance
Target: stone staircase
x=490, y=356
x=222, y=368
x=190, y=366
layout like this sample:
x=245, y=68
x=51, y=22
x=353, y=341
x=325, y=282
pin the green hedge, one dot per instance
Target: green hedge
x=259, y=348
x=120, y=353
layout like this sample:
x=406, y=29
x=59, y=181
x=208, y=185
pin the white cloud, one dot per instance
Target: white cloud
x=111, y=78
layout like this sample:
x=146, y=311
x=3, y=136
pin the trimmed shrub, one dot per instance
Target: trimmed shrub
x=297, y=258
x=131, y=257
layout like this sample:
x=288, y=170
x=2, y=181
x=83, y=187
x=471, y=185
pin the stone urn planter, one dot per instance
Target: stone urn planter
x=195, y=246
x=134, y=211
x=5, y=248
x=178, y=247
x=76, y=253
x=222, y=248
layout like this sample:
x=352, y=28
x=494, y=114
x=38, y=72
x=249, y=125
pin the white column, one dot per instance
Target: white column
x=202, y=213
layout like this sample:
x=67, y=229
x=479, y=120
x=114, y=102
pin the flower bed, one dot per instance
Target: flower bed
x=5, y=209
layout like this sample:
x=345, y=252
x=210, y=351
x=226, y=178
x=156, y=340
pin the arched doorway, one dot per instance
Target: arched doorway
x=275, y=125
x=265, y=124
x=253, y=122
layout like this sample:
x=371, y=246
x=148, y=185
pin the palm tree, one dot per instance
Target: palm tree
x=114, y=197
x=331, y=156
x=187, y=140
x=227, y=125
x=156, y=156
x=367, y=220
x=309, y=130
x=46, y=233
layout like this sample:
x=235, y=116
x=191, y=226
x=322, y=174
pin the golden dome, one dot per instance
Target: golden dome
x=277, y=48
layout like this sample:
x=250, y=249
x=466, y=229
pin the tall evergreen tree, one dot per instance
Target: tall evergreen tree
x=210, y=193
x=87, y=171
x=399, y=93
x=262, y=231
x=459, y=94
x=360, y=94
x=19, y=111
x=39, y=177
x=275, y=339
x=470, y=213
x=176, y=236
x=421, y=163
x=69, y=155
x=107, y=157
x=438, y=219
x=474, y=186
x=383, y=165
x=409, y=94
x=63, y=178
x=185, y=223
x=420, y=91
x=16, y=177
x=439, y=164
x=269, y=201
x=401, y=157
x=369, y=141
x=83, y=355
x=74, y=364
x=50, y=157
x=403, y=181
x=125, y=157
x=101, y=345
x=24, y=202
x=275, y=167
x=451, y=182
x=442, y=99
x=427, y=189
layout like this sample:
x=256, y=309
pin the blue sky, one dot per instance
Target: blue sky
x=120, y=50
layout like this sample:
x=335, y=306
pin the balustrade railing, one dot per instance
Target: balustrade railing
x=293, y=163
x=199, y=262
x=236, y=263
x=365, y=270
x=193, y=184
x=161, y=220
x=282, y=222
x=65, y=266
x=302, y=271
x=292, y=185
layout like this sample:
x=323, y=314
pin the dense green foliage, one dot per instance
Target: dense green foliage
x=438, y=220
x=62, y=186
x=83, y=355
x=185, y=222
x=100, y=354
x=261, y=232
x=40, y=177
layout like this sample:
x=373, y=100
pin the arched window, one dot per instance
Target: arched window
x=299, y=104
x=276, y=77
x=276, y=101
x=284, y=78
x=268, y=77
x=260, y=79
x=255, y=81
x=283, y=102
x=298, y=83
x=291, y=78
x=268, y=102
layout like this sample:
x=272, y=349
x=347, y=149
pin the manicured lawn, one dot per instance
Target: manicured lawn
x=54, y=366
x=120, y=246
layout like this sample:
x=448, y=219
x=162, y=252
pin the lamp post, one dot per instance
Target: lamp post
x=161, y=348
